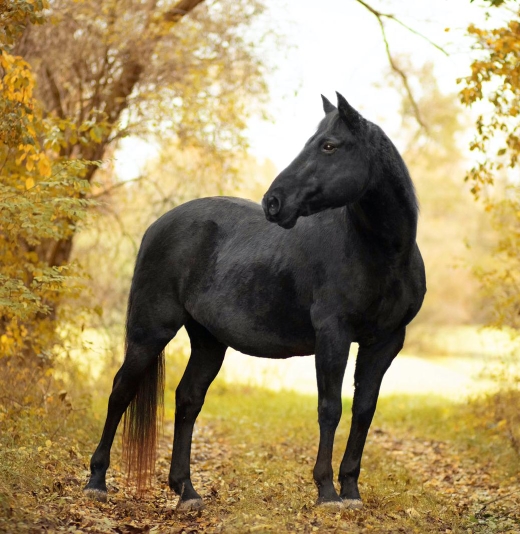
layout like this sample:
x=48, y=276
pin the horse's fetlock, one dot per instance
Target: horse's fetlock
x=179, y=480
x=322, y=475
x=346, y=473
x=349, y=485
x=175, y=485
x=99, y=465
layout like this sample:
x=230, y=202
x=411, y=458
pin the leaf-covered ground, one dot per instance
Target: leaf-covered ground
x=429, y=466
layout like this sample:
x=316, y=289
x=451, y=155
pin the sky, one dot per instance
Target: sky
x=336, y=45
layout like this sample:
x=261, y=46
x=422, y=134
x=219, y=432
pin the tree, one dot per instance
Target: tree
x=495, y=81
x=40, y=199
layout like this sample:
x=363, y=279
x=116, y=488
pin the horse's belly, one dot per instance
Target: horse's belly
x=278, y=332
x=274, y=343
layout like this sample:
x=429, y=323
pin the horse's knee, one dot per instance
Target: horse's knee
x=329, y=414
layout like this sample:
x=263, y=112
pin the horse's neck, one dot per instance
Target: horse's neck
x=386, y=216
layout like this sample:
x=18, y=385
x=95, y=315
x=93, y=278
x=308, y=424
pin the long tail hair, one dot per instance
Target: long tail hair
x=141, y=425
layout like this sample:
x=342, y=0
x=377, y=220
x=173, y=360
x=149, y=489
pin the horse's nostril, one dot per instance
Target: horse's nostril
x=273, y=205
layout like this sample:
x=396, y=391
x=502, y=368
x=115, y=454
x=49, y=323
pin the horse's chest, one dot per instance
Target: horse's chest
x=374, y=304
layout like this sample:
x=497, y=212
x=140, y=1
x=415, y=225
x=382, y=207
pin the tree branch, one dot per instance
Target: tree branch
x=479, y=512
x=380, y=15
x=55, y=92
x=109, y=189
x=393, y=65
x=181, y=9
x=403, y=77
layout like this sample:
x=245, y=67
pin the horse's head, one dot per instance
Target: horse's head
x=331, y=171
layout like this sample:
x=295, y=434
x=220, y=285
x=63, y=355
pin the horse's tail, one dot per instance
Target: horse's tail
x=141, y=425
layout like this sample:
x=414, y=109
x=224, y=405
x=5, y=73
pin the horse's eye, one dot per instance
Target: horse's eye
x=329, y=147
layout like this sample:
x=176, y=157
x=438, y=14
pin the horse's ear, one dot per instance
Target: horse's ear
x=328, y=106
x=349, y=115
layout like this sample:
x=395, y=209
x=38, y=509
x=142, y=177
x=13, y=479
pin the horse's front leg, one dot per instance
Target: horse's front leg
x=332, y=347
x=371, y=364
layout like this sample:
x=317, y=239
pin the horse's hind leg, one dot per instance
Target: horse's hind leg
x=146, y=338
x=371, y=365
x=207, y=355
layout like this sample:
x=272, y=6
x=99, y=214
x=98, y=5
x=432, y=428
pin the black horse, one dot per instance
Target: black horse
x=340, y=266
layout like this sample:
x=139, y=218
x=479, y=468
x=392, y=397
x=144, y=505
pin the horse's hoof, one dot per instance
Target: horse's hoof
x=353, y=504
x=95, y=494
x=330, y=504
x=191, y=505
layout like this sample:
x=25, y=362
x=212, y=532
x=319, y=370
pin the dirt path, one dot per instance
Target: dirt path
x=410, y=485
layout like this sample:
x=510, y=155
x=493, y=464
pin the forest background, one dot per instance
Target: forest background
x=113, y=112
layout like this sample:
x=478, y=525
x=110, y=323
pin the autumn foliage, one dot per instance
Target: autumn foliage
x=42, y=198
x=494, y=83
x=495, y=78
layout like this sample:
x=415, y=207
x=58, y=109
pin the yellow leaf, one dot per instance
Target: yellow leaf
x=48, y=443
x=29, y=183
x=44, y=167
x=95, y=134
